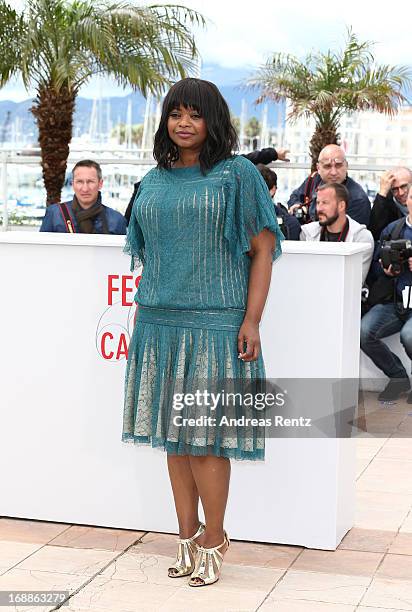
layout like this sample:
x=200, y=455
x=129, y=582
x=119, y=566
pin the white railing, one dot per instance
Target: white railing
x=137, y=162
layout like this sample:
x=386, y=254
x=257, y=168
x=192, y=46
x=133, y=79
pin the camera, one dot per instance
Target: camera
x=301, y=214
x=395, y=253
x=283, y=227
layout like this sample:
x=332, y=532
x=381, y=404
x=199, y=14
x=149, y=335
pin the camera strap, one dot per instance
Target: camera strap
x=397, y=230
x=68, y=221
x=310, y=188
x=342, y=236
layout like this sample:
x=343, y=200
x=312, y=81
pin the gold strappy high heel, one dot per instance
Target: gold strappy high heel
x=185, y=557
x=208, y=564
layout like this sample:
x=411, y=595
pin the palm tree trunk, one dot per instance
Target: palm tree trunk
x=322, y=136
x=53, y=111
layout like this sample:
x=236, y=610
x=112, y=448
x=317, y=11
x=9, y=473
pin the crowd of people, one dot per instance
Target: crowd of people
x=332, y=207
x=328, y=206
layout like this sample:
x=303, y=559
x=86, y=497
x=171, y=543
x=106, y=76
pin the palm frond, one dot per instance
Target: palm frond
x=283, y=76
x=325, y=85
x=62, y=44
x=11, y=30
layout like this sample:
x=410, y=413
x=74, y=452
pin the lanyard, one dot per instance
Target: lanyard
x=342, y=236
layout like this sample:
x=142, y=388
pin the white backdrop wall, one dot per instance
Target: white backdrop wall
x=67, y=314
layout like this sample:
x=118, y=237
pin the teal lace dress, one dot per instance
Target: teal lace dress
x=191, y=232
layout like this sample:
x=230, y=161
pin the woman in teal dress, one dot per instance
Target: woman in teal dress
x=203, y=227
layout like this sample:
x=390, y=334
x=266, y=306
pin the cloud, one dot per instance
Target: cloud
x=243, y=33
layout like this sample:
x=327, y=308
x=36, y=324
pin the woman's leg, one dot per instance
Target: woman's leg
x=185, y=494
x=212, y=475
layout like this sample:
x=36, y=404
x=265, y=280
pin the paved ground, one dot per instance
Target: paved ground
x=118, y=570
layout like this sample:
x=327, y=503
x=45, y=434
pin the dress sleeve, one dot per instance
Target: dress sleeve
x=249, y=209
x=134, y=245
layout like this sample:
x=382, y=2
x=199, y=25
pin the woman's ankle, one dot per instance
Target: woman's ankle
x=188, y=530
x=212, y=538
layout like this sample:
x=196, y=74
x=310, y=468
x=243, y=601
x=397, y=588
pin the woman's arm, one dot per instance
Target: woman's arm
x=262, y=247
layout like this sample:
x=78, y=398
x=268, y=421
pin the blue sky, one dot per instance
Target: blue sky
x=241, y=35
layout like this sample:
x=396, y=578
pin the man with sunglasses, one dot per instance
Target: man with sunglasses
x=332, y=167
x=390, y=203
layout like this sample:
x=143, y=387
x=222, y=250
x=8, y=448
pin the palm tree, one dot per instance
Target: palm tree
x=56, y=46
x=120, y=131
x=252, y=128
x=326, y=85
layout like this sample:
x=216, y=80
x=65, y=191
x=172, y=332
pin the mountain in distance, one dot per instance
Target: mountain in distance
x=113, y=110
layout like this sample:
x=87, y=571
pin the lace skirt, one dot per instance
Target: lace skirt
x=186, y=391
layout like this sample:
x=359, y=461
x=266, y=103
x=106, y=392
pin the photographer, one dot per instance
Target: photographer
x=390, y=202
x=85, y=213
x=332, y=167
x=392, y=294
x=289, y=225
x=335, y=225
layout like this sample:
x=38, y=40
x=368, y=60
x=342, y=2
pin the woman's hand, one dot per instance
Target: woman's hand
x=249, y=336
x=262, y=248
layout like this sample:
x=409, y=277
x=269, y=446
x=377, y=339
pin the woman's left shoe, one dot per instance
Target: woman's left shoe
x=186, y=553
x=208, y=565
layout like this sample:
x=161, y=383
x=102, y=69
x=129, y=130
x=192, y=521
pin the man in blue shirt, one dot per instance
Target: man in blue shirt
x=393, y=314
x=85, y=214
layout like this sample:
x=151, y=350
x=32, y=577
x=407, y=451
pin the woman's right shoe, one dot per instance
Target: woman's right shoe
x=208, y=564
x=186, y=555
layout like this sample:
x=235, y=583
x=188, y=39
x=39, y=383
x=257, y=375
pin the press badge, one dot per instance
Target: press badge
x=407, y=297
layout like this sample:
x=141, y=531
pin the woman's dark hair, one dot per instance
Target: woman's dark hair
x=205, y=98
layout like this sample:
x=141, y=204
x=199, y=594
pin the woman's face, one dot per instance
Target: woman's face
x=187, y=129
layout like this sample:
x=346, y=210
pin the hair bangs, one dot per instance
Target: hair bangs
x=186, y=93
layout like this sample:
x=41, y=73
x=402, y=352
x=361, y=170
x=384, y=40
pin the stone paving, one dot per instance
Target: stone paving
x=113, y=570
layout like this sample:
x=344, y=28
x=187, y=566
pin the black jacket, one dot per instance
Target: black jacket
x=128, y=212
x=290, y=226
x=264, y=156
x=359, y=206
x=383, y=288
x=384, y=211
